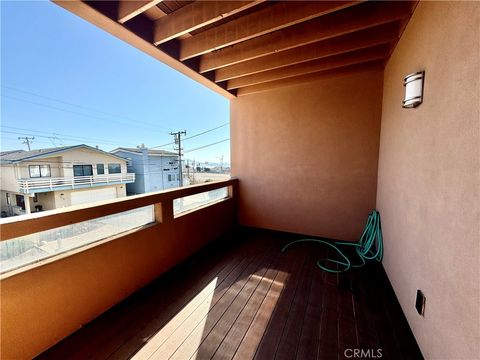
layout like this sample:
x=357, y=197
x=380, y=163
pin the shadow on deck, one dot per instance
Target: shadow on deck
x=241, y=298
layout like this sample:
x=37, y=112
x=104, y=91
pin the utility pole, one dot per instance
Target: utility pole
x=178, y=143
x=27, y=140
x=221, y=163
x=194, y=169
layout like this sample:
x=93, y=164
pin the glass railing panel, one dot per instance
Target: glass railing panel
x=192, y=202
x=24, y=250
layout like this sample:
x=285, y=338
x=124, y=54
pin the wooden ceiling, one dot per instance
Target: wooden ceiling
x=243, y=47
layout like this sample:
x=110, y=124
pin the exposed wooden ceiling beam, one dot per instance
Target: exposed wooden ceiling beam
x=195, y=16
x=87, y=12
x=129, y=9
x=346, y=21
x=332, y=62
x=348, y=70
x=359, y=40
x=272, y=18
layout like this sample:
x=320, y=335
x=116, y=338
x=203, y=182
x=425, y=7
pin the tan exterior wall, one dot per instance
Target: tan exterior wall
x=54, y=299
x=8, y=178
x=63, y=197
x=56, y=167
x=428, y=179
x=61, y=165
x=3, y=201
x=90, y=157
x=306, y=155
x=46, y=200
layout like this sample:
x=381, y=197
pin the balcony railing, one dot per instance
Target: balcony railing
x=62, y=268
x=32, y=185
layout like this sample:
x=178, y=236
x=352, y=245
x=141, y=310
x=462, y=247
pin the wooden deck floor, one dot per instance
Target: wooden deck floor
x=241, y=298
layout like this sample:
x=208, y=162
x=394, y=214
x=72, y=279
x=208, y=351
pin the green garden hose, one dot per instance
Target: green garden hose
x=370, y=246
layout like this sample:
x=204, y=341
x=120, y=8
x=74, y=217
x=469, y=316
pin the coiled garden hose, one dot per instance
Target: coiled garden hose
x=370, y=247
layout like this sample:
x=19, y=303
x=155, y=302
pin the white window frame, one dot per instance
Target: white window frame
x=40, y=171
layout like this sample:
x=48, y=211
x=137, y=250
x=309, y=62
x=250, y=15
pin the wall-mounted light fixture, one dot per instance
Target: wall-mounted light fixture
x=413, y=89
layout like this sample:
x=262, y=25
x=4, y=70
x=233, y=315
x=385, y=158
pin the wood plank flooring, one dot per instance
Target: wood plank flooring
x=241, y=298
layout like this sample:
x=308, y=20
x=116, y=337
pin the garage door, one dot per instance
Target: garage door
x=82, y=197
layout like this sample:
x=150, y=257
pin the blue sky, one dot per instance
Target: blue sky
x=65, y=81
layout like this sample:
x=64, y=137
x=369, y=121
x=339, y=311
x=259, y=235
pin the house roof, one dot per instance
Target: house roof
x=150, y=151
x=16, y=156
x=11, y=152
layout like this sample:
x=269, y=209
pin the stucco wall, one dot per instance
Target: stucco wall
x=56, y=167
x=428, y=179
x=52, y=299
x=46, y=200
x=8, y=177
x=85, y=156
x=63, y=197
x=306, y=155
x=150, y=176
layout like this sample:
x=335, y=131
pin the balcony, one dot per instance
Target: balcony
x=237, y=297
x=27, y=186
x=242, y=298
x=319, y=137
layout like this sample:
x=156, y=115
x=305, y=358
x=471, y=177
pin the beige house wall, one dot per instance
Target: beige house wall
x=429, y=178
x=62, y=197
x=61, y=165
x=56, y=167
x=8, y=177
x=90, y=157
x=46, y=200
x=306, y=155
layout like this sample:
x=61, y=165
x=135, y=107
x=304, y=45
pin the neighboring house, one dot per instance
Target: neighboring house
x=53, y=178
x=154, y=169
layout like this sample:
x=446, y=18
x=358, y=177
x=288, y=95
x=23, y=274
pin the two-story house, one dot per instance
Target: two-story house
x=154, y=169
x=47, y=179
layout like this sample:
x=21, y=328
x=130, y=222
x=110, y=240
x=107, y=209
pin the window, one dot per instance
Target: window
x=20, y=201
x=100, y=169
x=169, y=177
x=114, y=168
x=82, y=170
x=39, y=171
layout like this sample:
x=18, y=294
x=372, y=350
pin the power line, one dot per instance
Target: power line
x=205, y=146
x=190, y=137
x=94, y=140
x=16, y=138
x=62, y=135
x=74, y=112
x=50, y=137
x=206, y=131
x=135, y=162
x=79, y=106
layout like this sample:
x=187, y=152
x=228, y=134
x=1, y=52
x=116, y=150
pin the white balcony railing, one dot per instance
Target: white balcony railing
x=31, y=185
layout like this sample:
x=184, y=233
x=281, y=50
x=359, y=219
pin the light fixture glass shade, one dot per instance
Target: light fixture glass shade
x=413, y=89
